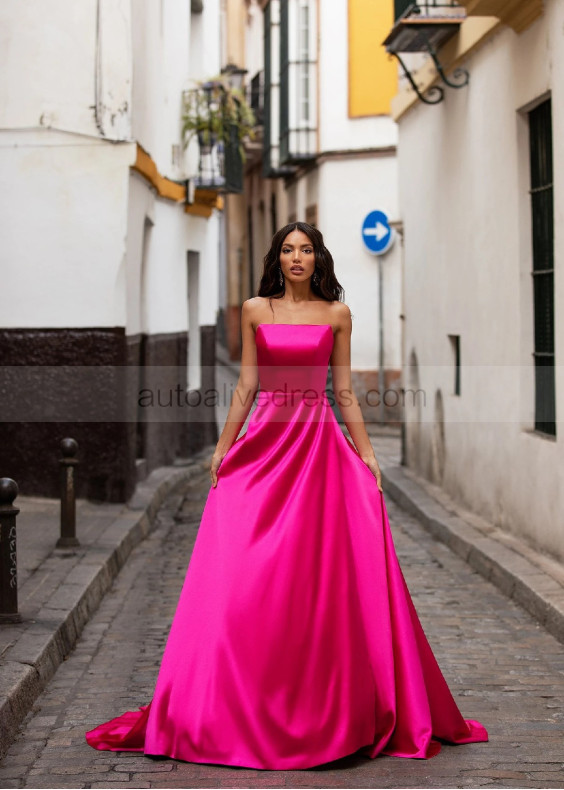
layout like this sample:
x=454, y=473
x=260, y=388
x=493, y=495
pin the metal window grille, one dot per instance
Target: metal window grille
x=220, y=162
x=455, y=345
x=298, y=63
x=284, y=79
x=425, y=7
x=256, y=96
x=267, y=133
x=271, y=114
x=540, y=150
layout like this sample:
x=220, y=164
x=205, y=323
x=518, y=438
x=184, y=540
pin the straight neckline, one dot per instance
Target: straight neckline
x=282, y=324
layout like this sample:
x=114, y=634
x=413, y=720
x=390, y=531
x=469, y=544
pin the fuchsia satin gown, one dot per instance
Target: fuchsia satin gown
x=295, y=641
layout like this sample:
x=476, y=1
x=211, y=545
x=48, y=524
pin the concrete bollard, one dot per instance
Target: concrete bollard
x=8, y=557
x=68, y=464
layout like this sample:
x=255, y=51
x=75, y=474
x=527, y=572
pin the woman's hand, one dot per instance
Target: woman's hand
x=372, y=464
x=217, y=458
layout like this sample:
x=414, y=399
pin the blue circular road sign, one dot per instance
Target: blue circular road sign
x=377, y=234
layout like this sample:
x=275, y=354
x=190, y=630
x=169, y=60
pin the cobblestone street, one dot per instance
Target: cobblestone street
x=502, y=667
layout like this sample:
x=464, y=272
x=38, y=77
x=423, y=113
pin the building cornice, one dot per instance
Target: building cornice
x=165, y=187
x=516, y=14
x=205, y=200
x=484, y=18
x=356, y=153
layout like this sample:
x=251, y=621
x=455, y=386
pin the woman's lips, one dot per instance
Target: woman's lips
x=296, y=269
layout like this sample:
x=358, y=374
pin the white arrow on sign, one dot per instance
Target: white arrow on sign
x=380, y=231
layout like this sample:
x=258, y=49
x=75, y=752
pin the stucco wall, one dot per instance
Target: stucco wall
x=67, y=66
x=464, y=180
x=348, y=190
x=63, y=203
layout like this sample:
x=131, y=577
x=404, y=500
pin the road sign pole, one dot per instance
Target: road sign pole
x=378, y=236
x=381, y=340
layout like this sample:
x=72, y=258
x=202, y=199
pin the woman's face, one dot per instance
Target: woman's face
x=297, y=258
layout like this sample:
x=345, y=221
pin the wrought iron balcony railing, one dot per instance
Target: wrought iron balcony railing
x=219, y=118
x=423, y=7
x=425, y=26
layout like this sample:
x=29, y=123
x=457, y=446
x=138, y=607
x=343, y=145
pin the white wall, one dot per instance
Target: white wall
x=159, y=294
x=466, y=210
x=348, y=190
x=72, y=212
x=63, y=209
x=64, y=67
x=172, y=50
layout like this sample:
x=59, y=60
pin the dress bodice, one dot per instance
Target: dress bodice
x=293, y=356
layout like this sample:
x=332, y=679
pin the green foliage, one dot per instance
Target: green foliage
x=214, y=111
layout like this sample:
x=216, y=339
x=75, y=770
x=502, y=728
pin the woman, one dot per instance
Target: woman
x=295, y=641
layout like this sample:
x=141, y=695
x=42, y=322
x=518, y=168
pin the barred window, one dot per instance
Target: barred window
x=540, y=147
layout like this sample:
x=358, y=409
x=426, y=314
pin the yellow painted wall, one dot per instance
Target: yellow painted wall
x=373, y=75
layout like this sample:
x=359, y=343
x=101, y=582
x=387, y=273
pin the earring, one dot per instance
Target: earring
x=280, y=276
x=315, y=278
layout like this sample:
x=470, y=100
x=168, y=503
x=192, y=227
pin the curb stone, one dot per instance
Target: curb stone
x=42, y=642
x=517, y=576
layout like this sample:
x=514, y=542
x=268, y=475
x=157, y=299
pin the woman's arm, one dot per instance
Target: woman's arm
x=243, y=395
x=346, y=399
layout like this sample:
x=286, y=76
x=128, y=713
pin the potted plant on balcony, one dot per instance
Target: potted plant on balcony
x=216, y=112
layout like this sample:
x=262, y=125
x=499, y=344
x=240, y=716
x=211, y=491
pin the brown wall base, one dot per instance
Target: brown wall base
x=29, y=451
x=233, y=331
x=365, y=386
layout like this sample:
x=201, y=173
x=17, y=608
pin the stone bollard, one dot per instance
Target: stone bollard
x=68, y=464
x=8, y=558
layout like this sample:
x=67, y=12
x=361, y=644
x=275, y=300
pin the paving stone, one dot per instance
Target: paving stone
x=129, y=785
x=503, y=668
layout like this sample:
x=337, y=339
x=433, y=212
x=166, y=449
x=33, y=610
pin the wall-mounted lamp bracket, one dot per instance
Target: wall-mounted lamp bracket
x=461, y=77
x=435, y=94
x=426, y=27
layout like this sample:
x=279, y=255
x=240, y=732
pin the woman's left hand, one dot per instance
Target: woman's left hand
x=372, y=464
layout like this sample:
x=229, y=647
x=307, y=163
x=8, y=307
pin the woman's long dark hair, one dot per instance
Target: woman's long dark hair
x=328, y=286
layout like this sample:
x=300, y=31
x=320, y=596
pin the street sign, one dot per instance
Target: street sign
x=377, y=234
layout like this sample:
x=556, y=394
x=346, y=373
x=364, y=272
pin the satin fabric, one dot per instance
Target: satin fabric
x=295, y=640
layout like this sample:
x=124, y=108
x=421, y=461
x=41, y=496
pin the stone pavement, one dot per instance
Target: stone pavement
x=59, y=589
x=502, y=666
x=532, y=579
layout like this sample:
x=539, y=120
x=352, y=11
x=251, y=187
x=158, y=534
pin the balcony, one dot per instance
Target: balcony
x=220, y=119
x=418, y=25
x=424, y=27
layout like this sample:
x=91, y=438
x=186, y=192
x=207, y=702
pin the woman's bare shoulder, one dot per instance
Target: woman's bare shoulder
x=254, y=308
x=340, y=313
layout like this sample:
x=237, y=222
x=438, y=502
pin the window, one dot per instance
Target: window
x=401, y=6
x=273, y=214
x=540, y=147
x=298, y=80
x=271, y=158
x=311, y=215
x=455, y=345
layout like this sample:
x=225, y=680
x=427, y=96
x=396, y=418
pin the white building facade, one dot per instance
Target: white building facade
x=104, y=263
x=326, y=155
x=482, y=202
